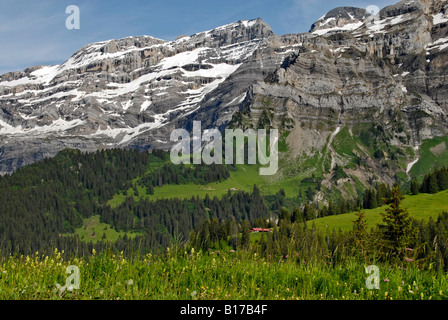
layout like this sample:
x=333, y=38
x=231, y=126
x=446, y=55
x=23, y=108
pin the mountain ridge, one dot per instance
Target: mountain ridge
x=385, y=70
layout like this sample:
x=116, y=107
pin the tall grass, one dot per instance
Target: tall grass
x=190, y=275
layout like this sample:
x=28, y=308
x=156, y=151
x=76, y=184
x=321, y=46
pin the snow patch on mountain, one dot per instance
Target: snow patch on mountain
x=347, y=27
x=439, y=18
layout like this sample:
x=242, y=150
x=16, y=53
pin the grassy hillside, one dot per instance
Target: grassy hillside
x=94, y=230
x=242, y=177
x=296, y=175
x=433, y=153
x=421, y=206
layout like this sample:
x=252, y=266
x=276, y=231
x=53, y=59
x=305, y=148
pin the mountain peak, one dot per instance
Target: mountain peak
x=400, y=8
x=245, y=24
x=236, y=32
x=341, y=18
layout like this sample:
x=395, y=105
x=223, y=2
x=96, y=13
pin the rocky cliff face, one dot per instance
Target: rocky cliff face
x=353, y=70
x=384, y=74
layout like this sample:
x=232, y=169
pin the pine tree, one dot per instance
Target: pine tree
x=442, y=178
x=245, y=234
x=433, y=186
x=414, y=187
x=284, y=214
x=308, y=212
x=360, y=230
x=381, y=193
x=323, y=212
x=397, y=230
x=262, y=243
x=233, y=234
x=424, y=187
x=310, y=193
x=373, y=202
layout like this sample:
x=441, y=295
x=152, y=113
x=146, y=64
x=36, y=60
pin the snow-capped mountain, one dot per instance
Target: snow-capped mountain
x=133, y=92
x=109, y=92
x=340, y=19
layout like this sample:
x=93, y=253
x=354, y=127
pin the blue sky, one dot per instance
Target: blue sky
x=34, y=33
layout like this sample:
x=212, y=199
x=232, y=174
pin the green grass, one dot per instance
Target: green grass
x=282, y=144
x=207, y=276
x=243, y=178
x=118, y=199
x=344, y=143
x=421, y=206
x=429, y=160
x=93, y=230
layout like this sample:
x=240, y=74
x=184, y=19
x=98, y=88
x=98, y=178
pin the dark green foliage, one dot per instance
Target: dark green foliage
x=276, y=202
x=435, y=181
x=374, y=198
x=310, y=193
x=338, y=173
x=397, y=231
x=378, y=154
x=424, y=244
x=42, y=201
x=360, y=231
x=370, y=199
x=309, y=212
x=414, y=187
x=382, y=192
x=180, y=174
x=245, y=234
x=296, y=215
